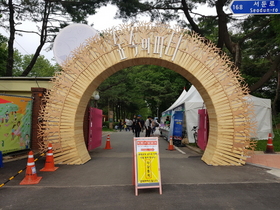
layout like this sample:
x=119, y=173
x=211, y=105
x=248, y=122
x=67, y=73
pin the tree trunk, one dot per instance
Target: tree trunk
x=10, y=60
x=275, y=103
x=190, y=19
x=222, y=24
x=43, y=38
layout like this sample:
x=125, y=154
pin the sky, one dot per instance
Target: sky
x=27, y=43
x=102, y=20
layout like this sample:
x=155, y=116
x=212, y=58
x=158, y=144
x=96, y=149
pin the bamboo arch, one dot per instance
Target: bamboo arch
x=210, y=71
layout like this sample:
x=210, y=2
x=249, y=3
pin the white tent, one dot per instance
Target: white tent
x=180, y=100
x=262, y=108
x=192, y=102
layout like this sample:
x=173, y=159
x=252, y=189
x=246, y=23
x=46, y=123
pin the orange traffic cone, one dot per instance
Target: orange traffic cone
x=49, y=164
x=170, y=146
x=108, y=144
x=30, y=175
x=269, y=146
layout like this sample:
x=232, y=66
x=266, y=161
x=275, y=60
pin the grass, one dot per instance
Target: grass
x=261, y=144
x=108, y=129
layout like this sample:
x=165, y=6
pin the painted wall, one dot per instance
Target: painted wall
x=15, y=123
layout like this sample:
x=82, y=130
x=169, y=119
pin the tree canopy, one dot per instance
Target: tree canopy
x=251, y=41
x=42, y=67
x=49, y=16
x=130, y=91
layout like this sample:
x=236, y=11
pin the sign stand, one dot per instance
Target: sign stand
x=146, y=163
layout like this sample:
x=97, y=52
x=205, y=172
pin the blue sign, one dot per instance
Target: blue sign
x=255, y=7
x=178, y=125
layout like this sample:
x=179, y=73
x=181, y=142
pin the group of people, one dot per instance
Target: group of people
x=126, y=125
x=139, y=125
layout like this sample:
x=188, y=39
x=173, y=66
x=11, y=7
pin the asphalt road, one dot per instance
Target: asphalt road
x=105, y=182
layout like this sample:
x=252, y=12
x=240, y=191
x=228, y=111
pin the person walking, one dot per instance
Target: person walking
x=148, y=126
x=128, y=123
x=133, y=123
x=154, y=125
x=120, y=125
x=138, y=126
x=142, y=124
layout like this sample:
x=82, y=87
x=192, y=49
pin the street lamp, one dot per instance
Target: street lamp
x=96, y=97
x=157, y=112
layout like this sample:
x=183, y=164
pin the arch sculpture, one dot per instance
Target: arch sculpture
x=202, y=63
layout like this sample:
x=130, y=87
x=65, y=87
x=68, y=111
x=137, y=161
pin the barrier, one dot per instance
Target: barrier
x=20, y=171
x=31, y=174
x=49, y=164
x=269, y=146
x=170, y=146
x=108, y=144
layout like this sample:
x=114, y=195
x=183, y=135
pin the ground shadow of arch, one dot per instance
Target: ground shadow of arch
x=211, y=72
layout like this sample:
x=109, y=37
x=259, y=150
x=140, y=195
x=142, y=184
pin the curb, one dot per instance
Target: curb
x=15, y=157
x=106, y=133
x=261, y=166
x=195, y=149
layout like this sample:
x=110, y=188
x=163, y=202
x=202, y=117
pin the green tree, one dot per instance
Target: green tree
x=3, y=54
x=49, y=16
x=158, y=86
x=261, y=59
x=145, y=89
x=240, y=37
x=251, y=41
x=116, y=95
x=42, y=67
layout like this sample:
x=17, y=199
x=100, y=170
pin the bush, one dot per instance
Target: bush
x=261, y=144
x=107, y=129
x=105, y=124
x=276, y=121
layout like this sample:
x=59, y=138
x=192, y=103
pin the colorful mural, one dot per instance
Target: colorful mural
x=15, y=123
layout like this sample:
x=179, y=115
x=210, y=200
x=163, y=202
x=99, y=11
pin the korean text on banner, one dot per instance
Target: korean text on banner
x=178, y=125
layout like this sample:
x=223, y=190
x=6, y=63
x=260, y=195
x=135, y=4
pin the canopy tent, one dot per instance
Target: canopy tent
x=262, y=109
x=191, y=102
x=179, y=102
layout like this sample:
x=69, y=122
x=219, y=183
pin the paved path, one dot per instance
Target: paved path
x=115, y=167
x=269, y=161
x=259, y=158
x=105, y=182
x=265, y=160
